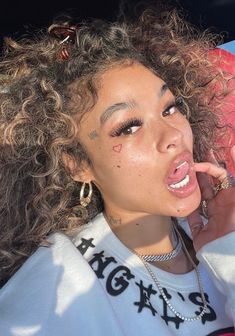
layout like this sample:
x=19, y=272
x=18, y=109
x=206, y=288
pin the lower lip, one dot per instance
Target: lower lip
x=188, y=189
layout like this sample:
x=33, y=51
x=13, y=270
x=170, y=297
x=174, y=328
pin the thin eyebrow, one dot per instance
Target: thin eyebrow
x=108, y=112
x=114, y=108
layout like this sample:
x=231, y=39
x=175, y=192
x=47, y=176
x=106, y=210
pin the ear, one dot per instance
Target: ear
x=83, y=173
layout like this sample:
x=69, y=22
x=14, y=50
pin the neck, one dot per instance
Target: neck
x=149, y=234
x=145, y=234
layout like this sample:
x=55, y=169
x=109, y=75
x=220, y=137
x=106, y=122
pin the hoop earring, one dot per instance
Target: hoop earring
x=84, y=201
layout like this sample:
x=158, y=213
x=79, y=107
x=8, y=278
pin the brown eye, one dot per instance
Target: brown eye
x=130, y=130
x=173, y=107
x=170, y=110
x=127, y=128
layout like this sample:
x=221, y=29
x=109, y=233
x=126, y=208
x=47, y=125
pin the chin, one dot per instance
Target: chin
x=186, y=206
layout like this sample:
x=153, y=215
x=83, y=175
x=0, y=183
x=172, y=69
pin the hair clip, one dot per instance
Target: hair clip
x=66, y=35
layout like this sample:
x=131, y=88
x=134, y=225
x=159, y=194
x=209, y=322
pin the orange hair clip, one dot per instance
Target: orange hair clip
x=67, y=35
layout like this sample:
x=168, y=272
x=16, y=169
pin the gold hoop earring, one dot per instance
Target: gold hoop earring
x=84, y=201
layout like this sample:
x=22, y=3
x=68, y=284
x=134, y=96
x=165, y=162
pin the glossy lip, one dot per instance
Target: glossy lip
x=187, y=190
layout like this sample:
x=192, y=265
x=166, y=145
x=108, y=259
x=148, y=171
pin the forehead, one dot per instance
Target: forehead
x=126, y=80
x=125, y=85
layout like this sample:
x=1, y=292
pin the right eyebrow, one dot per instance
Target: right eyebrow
x=108, y=112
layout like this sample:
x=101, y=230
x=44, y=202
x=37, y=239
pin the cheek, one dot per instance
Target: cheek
x=119, y=161
x=186, y=130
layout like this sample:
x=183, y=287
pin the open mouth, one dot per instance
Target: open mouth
x=181, y=179
x=180, y=176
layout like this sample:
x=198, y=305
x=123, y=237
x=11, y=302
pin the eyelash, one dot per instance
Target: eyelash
x=176, y=104
x=136, y=122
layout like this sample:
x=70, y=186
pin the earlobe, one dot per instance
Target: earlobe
x=81, y=173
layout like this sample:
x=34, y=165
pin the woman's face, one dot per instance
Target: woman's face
x=140, y=145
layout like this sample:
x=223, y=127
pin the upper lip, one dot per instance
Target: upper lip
x=185, y=156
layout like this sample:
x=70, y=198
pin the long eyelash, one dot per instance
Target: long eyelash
x=178, y=102
x=125, y=125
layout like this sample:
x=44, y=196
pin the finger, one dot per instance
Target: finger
x=211, y=169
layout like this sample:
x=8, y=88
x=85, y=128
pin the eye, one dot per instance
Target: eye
x=173, y=107
x=169, y=111
x=127, y=128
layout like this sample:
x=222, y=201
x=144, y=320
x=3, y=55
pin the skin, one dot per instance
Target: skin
x=221, y=207
x=147, y=153
x=131, y=179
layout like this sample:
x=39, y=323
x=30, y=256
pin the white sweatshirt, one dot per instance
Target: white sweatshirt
x=94, y=285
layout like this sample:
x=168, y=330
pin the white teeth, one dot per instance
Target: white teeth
x=180, y=184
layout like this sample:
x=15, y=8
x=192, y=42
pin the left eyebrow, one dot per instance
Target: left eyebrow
x=108, y=112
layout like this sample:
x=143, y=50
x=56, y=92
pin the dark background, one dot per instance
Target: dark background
x=18, y=17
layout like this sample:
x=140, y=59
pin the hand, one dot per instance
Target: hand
x=220, y=207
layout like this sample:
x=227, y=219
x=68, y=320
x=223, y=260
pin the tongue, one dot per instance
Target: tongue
x=179, y=174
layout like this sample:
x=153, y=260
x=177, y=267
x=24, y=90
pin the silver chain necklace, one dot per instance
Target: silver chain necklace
x=157, y=283
x=165, y=256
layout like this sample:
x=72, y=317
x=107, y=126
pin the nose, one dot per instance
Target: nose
x=170, y=138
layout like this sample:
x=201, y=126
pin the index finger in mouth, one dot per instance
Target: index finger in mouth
x=212, y=170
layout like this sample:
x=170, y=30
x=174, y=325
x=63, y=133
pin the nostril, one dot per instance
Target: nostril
x=171, y=146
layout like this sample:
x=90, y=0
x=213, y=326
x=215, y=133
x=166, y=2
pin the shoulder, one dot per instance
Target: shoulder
x=46, y=265
x=218, y=256
x=44, y=261
x=51, y=283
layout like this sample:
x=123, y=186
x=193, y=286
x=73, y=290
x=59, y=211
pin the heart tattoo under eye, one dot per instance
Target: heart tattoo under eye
x=117, y=148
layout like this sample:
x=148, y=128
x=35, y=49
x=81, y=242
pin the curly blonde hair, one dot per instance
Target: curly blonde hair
x=43, y=99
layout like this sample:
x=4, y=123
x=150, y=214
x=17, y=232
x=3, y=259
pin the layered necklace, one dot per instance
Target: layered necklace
x=168, y=256
x=165, y=256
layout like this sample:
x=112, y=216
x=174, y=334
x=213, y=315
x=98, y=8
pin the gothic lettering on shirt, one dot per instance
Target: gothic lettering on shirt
x=197, y=300
x=181, y=296
x=121, y=283
x=85, y=244
x=168, y=316
x=145, y=293
x=101, y=263
x=118, y=277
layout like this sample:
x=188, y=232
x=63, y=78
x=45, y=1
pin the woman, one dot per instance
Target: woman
x=96, y=165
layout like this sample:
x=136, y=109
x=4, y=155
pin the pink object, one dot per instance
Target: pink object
x=117, y=148
x=225, y=61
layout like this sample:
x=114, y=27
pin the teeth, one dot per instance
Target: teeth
x=180, y=184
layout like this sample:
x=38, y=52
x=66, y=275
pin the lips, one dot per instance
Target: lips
x=180, y=178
